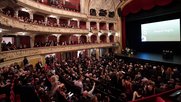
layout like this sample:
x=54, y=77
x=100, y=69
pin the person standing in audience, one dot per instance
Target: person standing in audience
x=39, y=66
x=28, y=93
x=25, y=61
x=79, y=83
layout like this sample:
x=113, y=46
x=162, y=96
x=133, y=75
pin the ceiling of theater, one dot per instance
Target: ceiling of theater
x=109, y=5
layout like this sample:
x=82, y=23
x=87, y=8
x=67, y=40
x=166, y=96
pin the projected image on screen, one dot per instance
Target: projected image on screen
x=161, y=31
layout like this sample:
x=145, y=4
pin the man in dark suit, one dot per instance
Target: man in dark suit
x=39, y=66
x=28, y=93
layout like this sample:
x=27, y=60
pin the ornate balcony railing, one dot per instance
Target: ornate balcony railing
x=14, y=23
x=101, y=19
x=50, y=10
x=14, y=54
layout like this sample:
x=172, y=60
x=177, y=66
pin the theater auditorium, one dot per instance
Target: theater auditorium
x=90, y=51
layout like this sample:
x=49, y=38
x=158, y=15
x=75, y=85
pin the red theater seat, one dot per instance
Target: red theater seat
x=159, y=99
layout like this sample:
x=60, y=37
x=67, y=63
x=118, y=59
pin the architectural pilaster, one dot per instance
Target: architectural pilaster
x=1, y=42
x=68, y=22
x=16, y=13
x=107, y=26
x=78, y=23
x=58, y=20
x=78, y=36
x=32, y=40
x=46, y=20
x=98, y=27
x=97, y=53
x=88, y=25
x=31, y=15
x=107, y=39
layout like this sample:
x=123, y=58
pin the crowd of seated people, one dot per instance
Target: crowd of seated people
x=43, y=44
x=38, y=22
x=10, y=46
x=59, y=4
x=86, y=79
x=131, y=78
x=128, y=51
x=53, y=43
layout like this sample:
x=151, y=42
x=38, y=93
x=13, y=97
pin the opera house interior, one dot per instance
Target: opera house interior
x=90, y=51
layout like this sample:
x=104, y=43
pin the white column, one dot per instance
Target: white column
x=98, y=28
x=78, y=23
x=32, y=40
x=107, y=39
x=97, y=53
x=78, y=36
x=114, y=26
x=16, y=13
x=88, y=25
x=1, y=42
x=58, y=21
x=46, y=20
x=88, y=38
x=98, y=38
x=107, y=26
x=82, y=6
x=69, y=22
x=58, y=38
x=31, y=15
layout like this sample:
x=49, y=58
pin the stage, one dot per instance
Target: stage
x=154, y=57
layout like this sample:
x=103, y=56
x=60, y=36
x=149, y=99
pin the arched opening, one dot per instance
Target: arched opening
x=111, y=38
x=93, y=38
x=73, y=39
x=64, y=39
x=103, y=38
x=83, y=39
x=40, y=40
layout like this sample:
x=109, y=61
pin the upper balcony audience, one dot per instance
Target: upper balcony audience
x=37, y=22
x=59, y=4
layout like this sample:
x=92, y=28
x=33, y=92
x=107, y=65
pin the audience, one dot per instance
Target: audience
x=59, y=4
x=37, y=21
x=108, y=78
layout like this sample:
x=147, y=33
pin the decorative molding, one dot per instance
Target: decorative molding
x=18, y=60
x=14, y=23
x=101, y=19
x=14, y=54
x=50, y=10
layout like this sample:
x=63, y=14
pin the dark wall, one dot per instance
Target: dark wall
x=133, y=28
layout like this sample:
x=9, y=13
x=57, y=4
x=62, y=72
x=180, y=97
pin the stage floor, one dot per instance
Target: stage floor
x=156, y=57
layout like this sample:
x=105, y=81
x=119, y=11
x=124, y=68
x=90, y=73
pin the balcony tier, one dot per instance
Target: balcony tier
x=14, y=54
x=101, y=19
x=50, y=10
x=10, y=22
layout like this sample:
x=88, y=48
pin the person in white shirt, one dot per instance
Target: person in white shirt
x=79, y=83
x=89, y=93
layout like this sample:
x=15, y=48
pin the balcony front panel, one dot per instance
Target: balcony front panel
x=101, y=19
x=14, y=54
x=50, y=10
x=16, y=24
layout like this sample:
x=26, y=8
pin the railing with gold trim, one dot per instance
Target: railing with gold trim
x=9, y=55
x=14, y=23
x=50, y=10
x=101, y=19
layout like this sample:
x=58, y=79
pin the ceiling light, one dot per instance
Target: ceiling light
x=53, y=16
x=25, y=10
